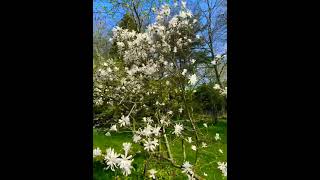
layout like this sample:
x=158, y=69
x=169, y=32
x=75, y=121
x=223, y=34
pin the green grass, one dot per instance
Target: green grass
x=207, y=157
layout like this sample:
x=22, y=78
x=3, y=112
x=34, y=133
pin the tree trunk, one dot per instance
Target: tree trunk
x=214, y=115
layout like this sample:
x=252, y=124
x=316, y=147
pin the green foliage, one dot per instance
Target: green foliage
x=207, y=99
x=128, y=22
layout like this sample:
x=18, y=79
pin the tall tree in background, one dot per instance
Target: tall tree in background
x=127, y=22
x=214, y=18
x=139, y=10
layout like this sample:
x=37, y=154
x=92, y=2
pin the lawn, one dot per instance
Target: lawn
x=206, y=163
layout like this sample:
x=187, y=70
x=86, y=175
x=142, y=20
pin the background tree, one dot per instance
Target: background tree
x=214, y=34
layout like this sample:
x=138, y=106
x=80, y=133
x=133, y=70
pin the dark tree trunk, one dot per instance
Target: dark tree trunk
x=214, y=114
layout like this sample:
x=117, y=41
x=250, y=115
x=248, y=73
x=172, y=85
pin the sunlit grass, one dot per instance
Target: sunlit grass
x=206, y=163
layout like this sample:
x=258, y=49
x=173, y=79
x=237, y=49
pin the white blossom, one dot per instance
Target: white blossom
x=126, y=148
x=111, y=159
x=173, y=22
x=216, y=86
x=205, y=125
x=177, y=129
x=113, y=128
x=164, y=121
x=147, y=131
x=156, y=131
x=224, y=91
x=120, y=45
x=147, y=120
x=193, y=147
x=97, y=152
x=108, y=134
x=125, y=164
x=205, y=174
x=136, y=138
x=124, y=121
x=183, y=4
x=220, y=150
x=175, y=49
x=189, y=140
x=193, y=79
x=193, y=61
x=217, y=137
x=150, y=145
x=103, y=72
x=184, y=72
x=152, y=173
x=204, y=145
x=186, y=168
x=223, y=167
x=180, y=110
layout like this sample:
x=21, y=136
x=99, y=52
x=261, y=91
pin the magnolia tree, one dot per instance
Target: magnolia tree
x=149, y=87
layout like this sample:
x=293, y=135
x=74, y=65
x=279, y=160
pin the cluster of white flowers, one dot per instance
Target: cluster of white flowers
x=111, y=159
x=186, y=168
x=146, y=133
x=223, y=91
x=165, y=121
x=164, y=12
x=223, y=167
x=114, y=160
x=147, y=120
x=125, y=164
x=150, y=145
x=144, y=55
x=193, y=79
x=107, y=71
x=136, y=138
